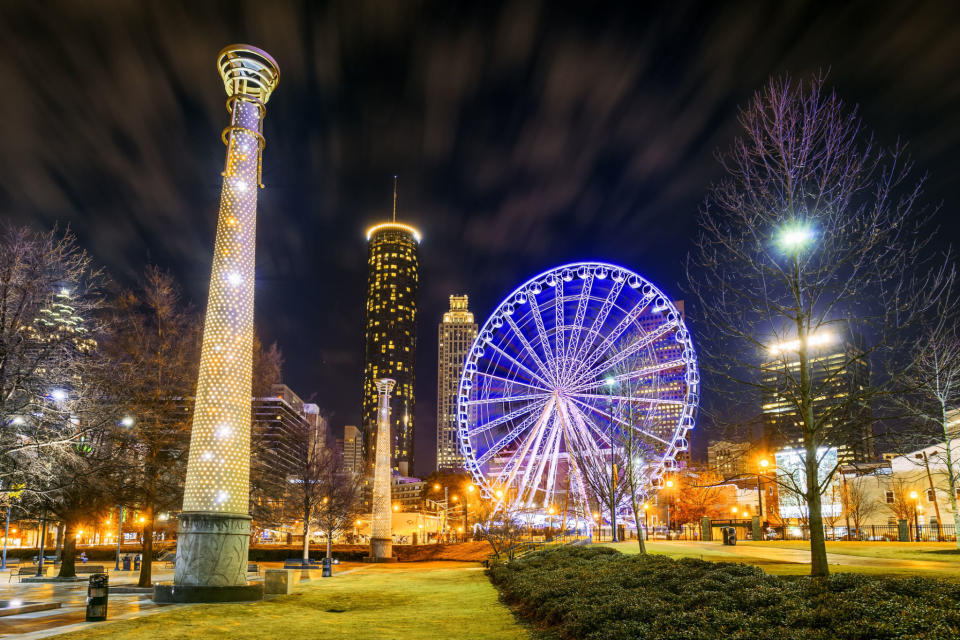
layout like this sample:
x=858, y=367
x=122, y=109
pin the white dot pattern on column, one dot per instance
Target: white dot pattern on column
x=218, y=476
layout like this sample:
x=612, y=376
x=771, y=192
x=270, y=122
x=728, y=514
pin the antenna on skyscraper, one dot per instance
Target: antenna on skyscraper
x=395, y=198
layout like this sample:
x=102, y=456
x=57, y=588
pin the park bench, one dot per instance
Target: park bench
x=89, y=568
x=169, y=559
x=21, y=572
x=300, y=563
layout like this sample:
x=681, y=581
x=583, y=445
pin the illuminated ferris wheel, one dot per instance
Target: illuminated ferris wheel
x=568, y=364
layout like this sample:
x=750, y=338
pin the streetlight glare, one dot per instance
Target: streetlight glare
x=795, y=237
x=610, y=381
x=669, y=483
x=127, y=421
x=764, y=463
x=59, y=395
x=813, y=340
x=913, y=495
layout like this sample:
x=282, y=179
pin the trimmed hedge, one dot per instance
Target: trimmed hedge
x=597, y=592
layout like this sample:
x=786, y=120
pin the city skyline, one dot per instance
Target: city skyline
x=524, y=136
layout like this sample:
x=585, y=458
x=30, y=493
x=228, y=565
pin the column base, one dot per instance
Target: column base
x=168, y=593
x=381, y=550
x=212, y=550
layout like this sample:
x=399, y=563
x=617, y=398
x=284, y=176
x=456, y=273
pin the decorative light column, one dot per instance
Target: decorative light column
x=214, y=532
x=381, y=538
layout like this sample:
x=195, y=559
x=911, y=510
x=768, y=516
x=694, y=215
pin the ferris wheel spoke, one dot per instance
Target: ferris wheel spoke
x=527, y=491
x=504, y=399
x=600, y=319
x=623, y=423
x=509, y=381
x=578, y=320
x=618, y=331
x=528, y=348
x=520, y=365
x=631, y=399
x=510, y=469
x=596, y=382
x=542, y=335
x=558, y=326
x=587, y=427
x=528, y=455
x=635, y=346
x=513, y=415
x=554, y=457
x=498, y=446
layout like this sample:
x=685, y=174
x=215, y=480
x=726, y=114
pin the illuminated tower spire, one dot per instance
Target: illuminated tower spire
x=215, y=523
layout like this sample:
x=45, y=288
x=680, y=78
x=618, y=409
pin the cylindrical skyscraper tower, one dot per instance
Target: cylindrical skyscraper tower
x=215, y=523
x=393, y=272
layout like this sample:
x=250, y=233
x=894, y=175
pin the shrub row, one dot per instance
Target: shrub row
x=593, y=593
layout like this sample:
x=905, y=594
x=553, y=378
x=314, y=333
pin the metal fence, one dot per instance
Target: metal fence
x=867, y=533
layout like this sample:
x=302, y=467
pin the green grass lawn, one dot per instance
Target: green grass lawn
x=787, y=567
x=934, y=551
x=408, y=601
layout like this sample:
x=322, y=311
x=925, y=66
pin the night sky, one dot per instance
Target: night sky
x=524, y=135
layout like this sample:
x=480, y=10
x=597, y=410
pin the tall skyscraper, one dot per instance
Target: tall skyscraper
x=351, y=444
x=391, y=335
x=457, y=333
x=838, y=378
x=214, y=532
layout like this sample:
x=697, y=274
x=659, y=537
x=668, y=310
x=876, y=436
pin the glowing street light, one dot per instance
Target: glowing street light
x=794, y=237
x=127, y=421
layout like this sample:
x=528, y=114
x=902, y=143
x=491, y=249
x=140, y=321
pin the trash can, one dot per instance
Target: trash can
x=731, y=536
x=97, y=591
x=136, y=562
x=327, y=568
x=126, y=562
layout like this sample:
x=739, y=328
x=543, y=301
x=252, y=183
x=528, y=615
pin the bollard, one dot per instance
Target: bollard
x=97, y=592
x=327, y=568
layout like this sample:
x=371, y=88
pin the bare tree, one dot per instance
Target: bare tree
x=154, y=349
x=932, y=399
x=341, y=502
x=858, y=504
x=50, y=323
x=815, y=237
x=501, y=526
x=301, y=449
x=902, y=506
x=600, y=471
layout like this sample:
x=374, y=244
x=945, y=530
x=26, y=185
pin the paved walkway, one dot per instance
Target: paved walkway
x=73, y=599
x=73, y=602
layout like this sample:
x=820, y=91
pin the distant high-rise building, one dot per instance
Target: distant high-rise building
x=391, y=336
x=729, y=459
x=839, y=376
x=352, y=447
x=456, y=335
x=279, y=422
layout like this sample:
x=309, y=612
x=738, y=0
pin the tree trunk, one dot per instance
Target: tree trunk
x=818, y=546
x=60, y=528
x=146, y=566
x=306, y=534
x=329, y=543
x=67, y=566
x=952, y=477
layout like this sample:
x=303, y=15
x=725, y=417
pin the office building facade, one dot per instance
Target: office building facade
x=839, y=376
x=457, y=332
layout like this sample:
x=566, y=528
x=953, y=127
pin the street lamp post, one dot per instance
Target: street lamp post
x=763, y=466
x=119, y=536
x=6, y=535
x=916, y=520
